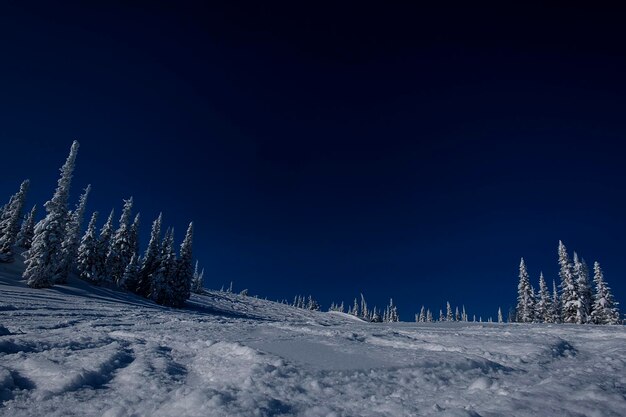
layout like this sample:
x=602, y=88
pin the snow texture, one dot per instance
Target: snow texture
x=82, y=350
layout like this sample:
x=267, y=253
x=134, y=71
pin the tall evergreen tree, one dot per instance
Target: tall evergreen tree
x=43, y=258
x=102, y=249
x=605, y=309
x=150, y=259
x=121, y=247
x=10, y=222
x=27, y=231
x=585, y=295
x=556, y=305
x=570, y=303
x=161, y=290
x=525, y=307
x=134, y=235
x=543, y=308
x=184, y=271
x=69, y=247
x=449, y=315
x=87, y=262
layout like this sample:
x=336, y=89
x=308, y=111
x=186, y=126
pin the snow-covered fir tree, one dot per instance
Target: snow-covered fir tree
x=134, y=235
x=312, y=304
x=72, y=238
x=429, y=316
x=422, y=316
x=463, y=314
x=605, y=309
x=556, y=304
x=102, y=250
x=121, y=247
x=197, y=284
x=27, y=231
x=87, y=259
x=10, y=222
x=43, y=258
x=525, y=307
x=130, y=275
x=449, y=315
x=150, y=259
x=181, y=280
x=585, y=295
x=543, y=306
x=572, y=310
x=375, y=318
x=355, y=308
x=365, y=314
x=500, y=318
x=441, y=315
x=161, y=290
x=393, y=312
x=457, y=315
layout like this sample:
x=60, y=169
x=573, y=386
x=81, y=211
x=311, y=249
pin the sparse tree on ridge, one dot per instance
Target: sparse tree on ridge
x=87, y=260
x=10, y=222
x=605, y=309
x=525, y=307
x=543, y=307
x=43, y=258
x=72, y=238
x=27, y=231
x=570, y=303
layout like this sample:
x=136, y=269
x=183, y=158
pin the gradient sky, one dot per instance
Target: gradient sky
x=391, y=150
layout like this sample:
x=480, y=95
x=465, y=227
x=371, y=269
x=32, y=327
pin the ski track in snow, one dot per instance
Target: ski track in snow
x=79, y=350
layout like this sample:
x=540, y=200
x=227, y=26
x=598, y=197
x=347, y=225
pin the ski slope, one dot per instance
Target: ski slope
x=79, y=350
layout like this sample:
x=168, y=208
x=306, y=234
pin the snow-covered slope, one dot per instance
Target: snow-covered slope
x=79, y=350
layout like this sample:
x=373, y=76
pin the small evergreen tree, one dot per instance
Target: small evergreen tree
x=71, y=242
x=429, y=316
x=150, y=259
x=544, y=304
x=500, y=318
x=87, y=261
x=422, y=316
x=605, y=309
x=10, y=222
x=121, y=247
x=160, y=282
x=355, y=309
x=130, y=276
x=585, y=296
x=102, y=250
x=181, y=285
x=364, y=311
x=570, y=303
x=44, y=256
x=449, y=315
x=525, y=307
x=27, y=231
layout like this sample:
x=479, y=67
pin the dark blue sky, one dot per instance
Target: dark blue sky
x=395, y=151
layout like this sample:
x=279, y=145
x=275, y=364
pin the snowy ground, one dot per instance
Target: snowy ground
x=79, y=350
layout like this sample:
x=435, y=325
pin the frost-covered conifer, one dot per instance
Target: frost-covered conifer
x=102, y=250
x=525, y=307
x=605, y=309
x=464, y=314
x=556, y=304
x=87, y=262
x=134, y=235
x=27, y=231
x=364, y=311
x=570, y=302
x=585, y=296
x=543, y=307
x=441, y=316
x=130, y=276
x=449, y=315
x=181, y=285
x=355, y=308
x=197, y=285
x=457, y=315
x=500, y=319
x=429, y=316
x=43, y=258
x=422, y=316
x=312, y=305
x=375, y=316
x=10, y=222
x=72, y=238
x=150, y=259
x=121, y=247
x=392, y=315
x=161, y=290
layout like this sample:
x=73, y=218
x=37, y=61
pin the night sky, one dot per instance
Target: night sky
x=331, y=150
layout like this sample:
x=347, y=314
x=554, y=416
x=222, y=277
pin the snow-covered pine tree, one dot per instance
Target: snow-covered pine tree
x=570, y=302
x=102, y=250
x=556, y=304
x=87, y=259
x=197, y=285
x=464, y=314
x=543, y=306
x=457, y=315
x=161, y=290
x=72, y=238
x=130, y=276
x=121, y=247
x=441, y=316
x=585, y=295
x=525, y=307
x=10, y=222
x=449, y=315
x=364, y=311
x=134, y=235
x=150, y=259
x=500, y=318
x=44, y=256
x=181, y=284
x=27, y=231
x=429, y=316
x=341, y=308
x=605, y=309
x=355, y=308
x=375, y=316
x=393, y=312
x=422, y=317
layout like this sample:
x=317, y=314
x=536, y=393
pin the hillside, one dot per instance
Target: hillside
x=80, y=350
